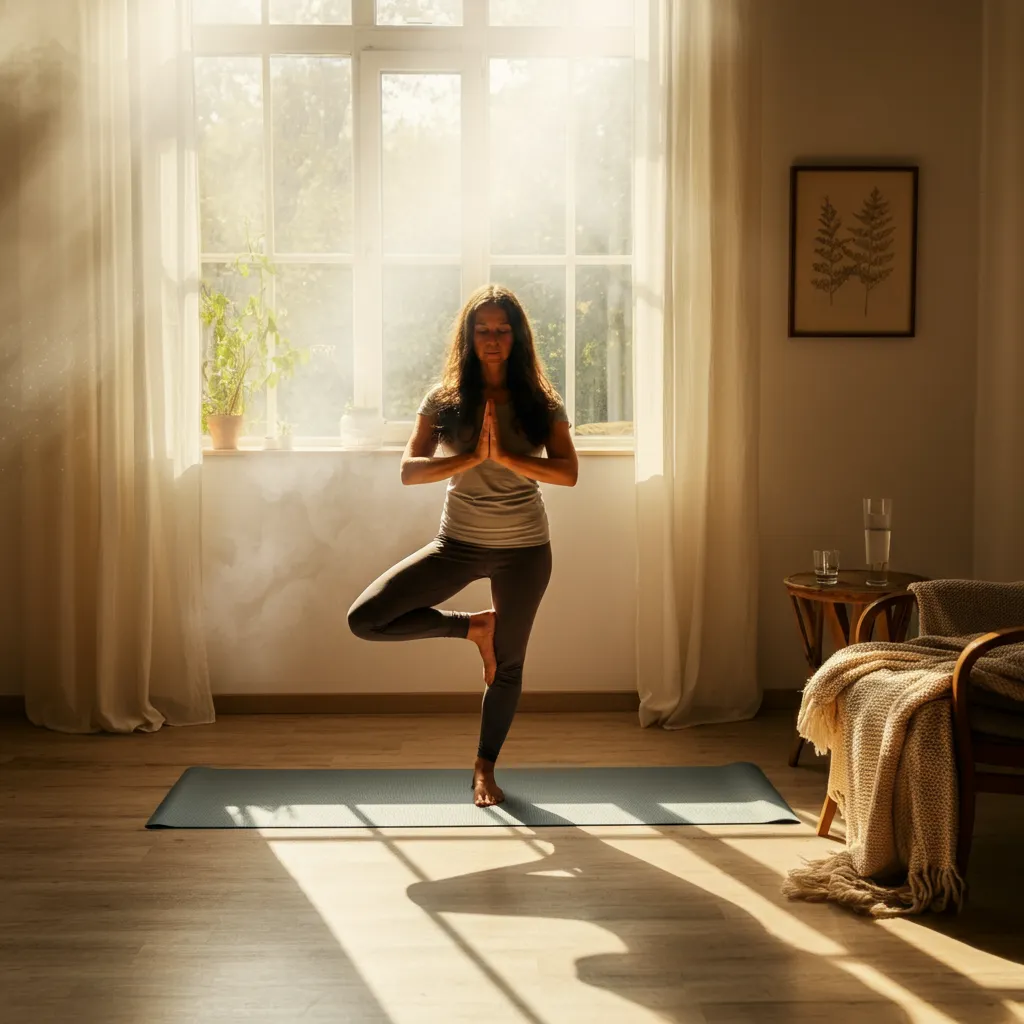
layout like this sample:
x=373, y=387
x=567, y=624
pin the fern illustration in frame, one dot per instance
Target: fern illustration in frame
x=853, y=251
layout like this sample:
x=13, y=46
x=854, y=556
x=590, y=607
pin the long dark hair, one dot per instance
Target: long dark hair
x=461, y=390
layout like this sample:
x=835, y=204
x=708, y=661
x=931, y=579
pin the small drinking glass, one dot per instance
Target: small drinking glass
x=826, y=566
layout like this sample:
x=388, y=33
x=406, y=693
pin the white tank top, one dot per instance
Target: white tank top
x=490, y=505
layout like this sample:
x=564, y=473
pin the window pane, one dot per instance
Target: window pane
x=312, y=99
x=528, y=99
x=604, y=156
x=604, y=350
x=420, y=12
x=604, y=13
x=527, y=12
x=226, y=12
x=224, y=278
x=311, y=12
x=420, y=305
x=315, y=308
x=541, y=290
x=421, y=163
x=229, y=124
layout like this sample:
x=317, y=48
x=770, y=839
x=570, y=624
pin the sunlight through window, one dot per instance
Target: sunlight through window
x=461, y=144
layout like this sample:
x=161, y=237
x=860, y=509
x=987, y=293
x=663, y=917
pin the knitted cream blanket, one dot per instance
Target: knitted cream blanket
x=884, y=711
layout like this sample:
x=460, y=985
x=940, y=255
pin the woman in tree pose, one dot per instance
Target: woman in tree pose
x=492, y=415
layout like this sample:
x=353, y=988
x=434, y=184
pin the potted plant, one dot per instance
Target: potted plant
x=237, y=359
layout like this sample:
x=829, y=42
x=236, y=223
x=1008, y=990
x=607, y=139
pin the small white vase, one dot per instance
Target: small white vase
x=362, y=428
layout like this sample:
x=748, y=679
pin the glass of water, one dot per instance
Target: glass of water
x=877, y=536
x=826, y=566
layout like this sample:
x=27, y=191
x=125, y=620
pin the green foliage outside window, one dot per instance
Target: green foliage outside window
x=309, y=109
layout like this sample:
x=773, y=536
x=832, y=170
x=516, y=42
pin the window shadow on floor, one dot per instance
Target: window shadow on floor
x=924, y=975
x=686, y=947
x=993, y=916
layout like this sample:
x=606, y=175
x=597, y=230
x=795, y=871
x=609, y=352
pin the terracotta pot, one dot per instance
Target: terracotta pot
x=224, y=431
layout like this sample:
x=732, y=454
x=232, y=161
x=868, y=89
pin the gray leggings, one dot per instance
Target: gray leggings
x=399, y=606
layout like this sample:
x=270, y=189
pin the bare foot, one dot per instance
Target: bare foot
x=481, y=632
x=486, y=792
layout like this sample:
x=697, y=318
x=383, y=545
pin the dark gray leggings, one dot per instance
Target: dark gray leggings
x=400, y=606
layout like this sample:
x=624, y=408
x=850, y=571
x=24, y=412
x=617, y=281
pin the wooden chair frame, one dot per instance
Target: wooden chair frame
x=971, y=748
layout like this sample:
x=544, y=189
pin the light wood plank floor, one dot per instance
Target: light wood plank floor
x=102, y=921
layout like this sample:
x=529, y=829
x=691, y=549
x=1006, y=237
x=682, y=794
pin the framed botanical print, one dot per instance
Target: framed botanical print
x=852, y=251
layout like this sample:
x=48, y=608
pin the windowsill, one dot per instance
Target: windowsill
x=386, y=449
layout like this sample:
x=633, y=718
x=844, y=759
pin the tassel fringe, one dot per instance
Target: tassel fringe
x=835, y=879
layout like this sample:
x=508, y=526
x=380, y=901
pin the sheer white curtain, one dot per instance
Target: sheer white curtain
x=107, y=343
x=696, y=364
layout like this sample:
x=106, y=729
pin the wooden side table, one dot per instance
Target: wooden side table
x=817, y=604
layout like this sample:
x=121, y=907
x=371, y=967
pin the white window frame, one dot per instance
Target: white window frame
x=466, y=50
x=471, y=258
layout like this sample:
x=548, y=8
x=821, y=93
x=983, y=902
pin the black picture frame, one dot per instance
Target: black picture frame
x=853, y=250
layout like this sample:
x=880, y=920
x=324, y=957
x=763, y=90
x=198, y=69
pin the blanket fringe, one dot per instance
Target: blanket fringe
x=835, y=879
x=818, y=724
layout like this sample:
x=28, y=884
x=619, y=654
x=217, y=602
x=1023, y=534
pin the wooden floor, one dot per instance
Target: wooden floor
x=102, y=921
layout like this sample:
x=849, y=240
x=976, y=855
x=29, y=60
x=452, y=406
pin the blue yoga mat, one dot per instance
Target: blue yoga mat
x=732, y=794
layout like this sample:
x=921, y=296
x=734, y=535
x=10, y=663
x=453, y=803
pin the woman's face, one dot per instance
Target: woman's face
x=492, y=335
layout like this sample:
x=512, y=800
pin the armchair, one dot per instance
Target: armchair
x=988, y=730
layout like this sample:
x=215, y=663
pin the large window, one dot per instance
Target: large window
x=392, y=156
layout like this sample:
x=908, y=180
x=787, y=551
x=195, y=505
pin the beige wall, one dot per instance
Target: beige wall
x=290, y=540
x=845, y=418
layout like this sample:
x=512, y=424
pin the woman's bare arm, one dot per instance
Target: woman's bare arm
x=420, y=465
x=560, y=467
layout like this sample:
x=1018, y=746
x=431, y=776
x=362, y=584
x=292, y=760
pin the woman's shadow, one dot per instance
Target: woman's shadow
x=686, y=947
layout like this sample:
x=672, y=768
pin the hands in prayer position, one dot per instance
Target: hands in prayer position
x=488, y=445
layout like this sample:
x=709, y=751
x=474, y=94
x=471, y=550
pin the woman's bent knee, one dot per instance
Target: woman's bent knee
x=361, y=621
